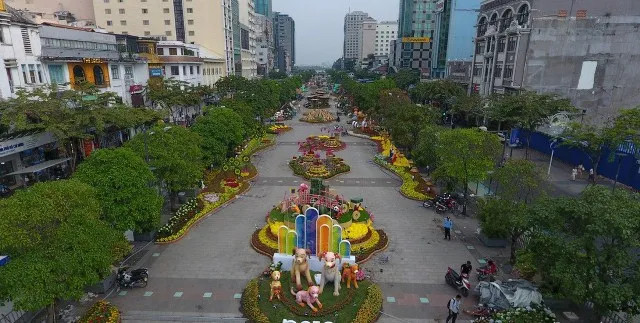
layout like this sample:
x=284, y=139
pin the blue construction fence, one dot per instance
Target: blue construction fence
x=629, y=165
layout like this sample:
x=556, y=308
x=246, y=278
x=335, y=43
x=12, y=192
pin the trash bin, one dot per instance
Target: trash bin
x=182, y=197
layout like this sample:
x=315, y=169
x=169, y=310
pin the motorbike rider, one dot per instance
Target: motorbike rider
x=465, y=269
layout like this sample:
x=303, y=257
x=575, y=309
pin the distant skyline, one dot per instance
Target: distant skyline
x=319, y=24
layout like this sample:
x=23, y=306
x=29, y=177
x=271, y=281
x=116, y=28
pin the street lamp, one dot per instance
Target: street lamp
x=553, y=145
x=620, y=155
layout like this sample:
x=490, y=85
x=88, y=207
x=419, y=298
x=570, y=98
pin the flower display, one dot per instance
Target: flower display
x=370, y=308
x=101, y=312
x=356, y=231
x=409, y=182
x=515, y=315
x=278, y=129
x=265, y=240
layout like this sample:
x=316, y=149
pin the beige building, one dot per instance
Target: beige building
x=368, y=38
x=248, y=38
x=81, y=9
x=203, y=22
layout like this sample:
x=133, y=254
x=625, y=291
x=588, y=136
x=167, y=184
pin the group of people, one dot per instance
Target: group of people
x=577, y=172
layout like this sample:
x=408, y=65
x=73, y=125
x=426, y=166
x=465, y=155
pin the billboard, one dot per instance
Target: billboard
x=416, y=39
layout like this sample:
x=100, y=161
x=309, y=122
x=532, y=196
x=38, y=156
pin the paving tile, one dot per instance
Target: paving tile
x=424, y=300
x=237, y=296
x=391, y=299
x=156, y=254
x=471, y=247
x=147, y=294
x=207, y=295
x=122, y=293
x=177, y=294
x=482, y=261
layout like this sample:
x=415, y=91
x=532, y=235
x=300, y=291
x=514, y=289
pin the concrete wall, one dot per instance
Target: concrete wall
x=559, y=47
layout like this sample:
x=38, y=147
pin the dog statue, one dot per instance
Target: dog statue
x=330, y=271
x=309, y=297
x=349, y=273
x=300, y=266
x=276, y=286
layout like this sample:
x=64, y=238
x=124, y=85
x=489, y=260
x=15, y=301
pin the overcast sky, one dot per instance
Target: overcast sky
x=320, y=23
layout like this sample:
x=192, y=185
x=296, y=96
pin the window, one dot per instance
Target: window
x=160, y=51
x=191, y=70
x=165, y=10
x=128, y=72
x=477, y=70
x=501, y=44
x=145, y=22
x=56, y=74
x=184, y=70
x=190, y=22
x=115, y=72
x=106, y=1
x=497, y=72
x=512, y=44
x=145, y=10
x=167, y=22
x=198, y=70
x=175, y=70
x=192, y=33
x=147, y=33
x=480, y=48
x=109, y=23
x=508, y=71
x=167, y=33
x=121, y=11
x=98, y=75
x=173, y=51
x=32, y=73
x=24, y=73
x=123, y=22
x=39, y=69
x=189, y=10
x=107, y=11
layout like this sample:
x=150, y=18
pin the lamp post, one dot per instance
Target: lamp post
x=553, y=145
x=620, y=155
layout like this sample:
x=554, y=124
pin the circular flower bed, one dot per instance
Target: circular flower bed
x=102, y=312
x=352, y=305
x=318, y=116
x=318, y=168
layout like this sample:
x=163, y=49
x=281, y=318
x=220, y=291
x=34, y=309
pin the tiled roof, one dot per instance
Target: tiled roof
x=18, y=17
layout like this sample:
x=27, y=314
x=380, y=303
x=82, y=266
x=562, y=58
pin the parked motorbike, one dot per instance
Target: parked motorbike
x=453, y=278
x=486, y=272
x=135, y=278
x=439, y=207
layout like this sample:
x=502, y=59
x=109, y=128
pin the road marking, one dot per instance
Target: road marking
x=279, y=181
x=357, y=182
x=237, y=296
x=424, y=300
x=373, y=182
x=391, y=299
x=147, y=294
x=482, y=261
x=341, y=181
x=295, y=181
x=264, y=181
x=156, y=254
x=388, y=182
x=471, y=247
x=122, y=293
x=177, y=294
x=207, y=295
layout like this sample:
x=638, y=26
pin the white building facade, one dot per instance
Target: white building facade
x=181, y=61
x=386, y=31
x=248, y=39
x=353, y=34
x=265, y=46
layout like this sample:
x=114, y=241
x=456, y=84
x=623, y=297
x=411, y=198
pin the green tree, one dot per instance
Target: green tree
x=466, y=155
x=69, y=115
x=405, y=123
x=222, y=130
x=251, y=126
x=586, y=248
x=406, y=77
x=173, y=96
x=229, y=86
x=122, y=180
x=276, y=75
x=175, y=156
x=437, y=93
x=504, y=219
x=424, y=153
x=57, y=243
x=529, y=110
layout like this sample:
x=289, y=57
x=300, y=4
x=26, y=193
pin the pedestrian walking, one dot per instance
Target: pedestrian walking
x=448, y=224
x=580, y=170
x=574, y=173
x=454, y=308
x=592, y=176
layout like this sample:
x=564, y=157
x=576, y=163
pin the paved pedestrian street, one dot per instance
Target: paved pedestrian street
x=201, y=277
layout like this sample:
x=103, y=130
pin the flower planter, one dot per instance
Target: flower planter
x=102, y=286
x=493, y=242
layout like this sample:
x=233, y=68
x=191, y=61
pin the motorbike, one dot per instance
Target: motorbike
x=135, y=278
x=435, y=203
x=486, y=272
x=453, y=278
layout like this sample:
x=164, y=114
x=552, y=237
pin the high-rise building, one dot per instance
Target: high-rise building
x=265, y=50
x=352, y=48
x=583, y=51
x=368, y=38
x=440, y=39
x=203, y=22
x=285, y=42
x=79, y=9
x=247, y=17
x=386, y=32
x=415, y=33
x=264, y=7
x=462, y=30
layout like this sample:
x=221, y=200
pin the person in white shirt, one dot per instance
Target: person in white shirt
x=454, y=308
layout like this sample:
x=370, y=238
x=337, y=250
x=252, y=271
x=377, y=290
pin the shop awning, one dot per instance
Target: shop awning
x=39, y=167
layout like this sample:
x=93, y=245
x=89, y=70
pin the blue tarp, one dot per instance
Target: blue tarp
x=4, y=260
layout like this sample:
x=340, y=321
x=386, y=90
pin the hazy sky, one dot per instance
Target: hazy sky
x=320, y=23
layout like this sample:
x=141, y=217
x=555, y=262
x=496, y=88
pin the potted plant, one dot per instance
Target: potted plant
x=494, y=223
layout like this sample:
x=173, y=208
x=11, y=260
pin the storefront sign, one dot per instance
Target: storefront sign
x=136, y=88
x=440, y=5
x=416, y=39
x=155, y=71
x=92, y=60
x=17, y=145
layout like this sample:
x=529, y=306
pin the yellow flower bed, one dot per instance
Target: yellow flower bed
x=370, y=243
x=355, y=231
x=275, y=227
x=262, y=235
x=370, y=308
x=101, y=312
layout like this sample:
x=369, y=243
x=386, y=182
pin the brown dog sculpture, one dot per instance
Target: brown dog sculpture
x=309, y=297
x=301, y=266
x=349, y=273
x=276, y=286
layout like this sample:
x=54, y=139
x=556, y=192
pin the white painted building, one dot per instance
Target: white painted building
x=248, y=38
x=214, y=67
x=20, y=51
x=181, y=61
x=386, y=31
